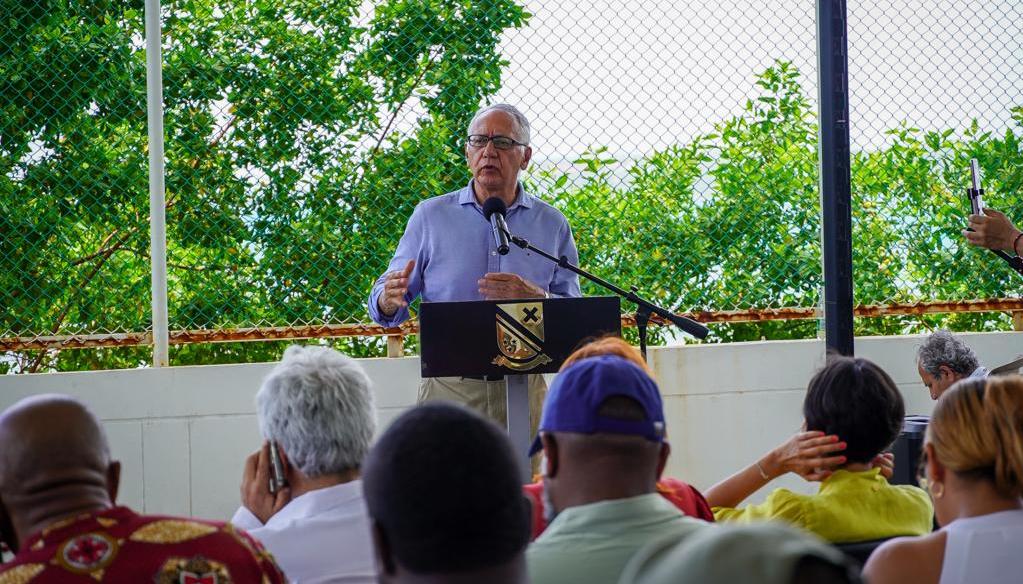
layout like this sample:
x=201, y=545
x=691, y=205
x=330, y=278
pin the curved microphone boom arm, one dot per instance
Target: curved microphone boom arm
x=644, y=308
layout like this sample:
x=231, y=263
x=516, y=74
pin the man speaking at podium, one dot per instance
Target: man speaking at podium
x=448, y=252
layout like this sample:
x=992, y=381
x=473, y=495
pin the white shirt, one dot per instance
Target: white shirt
x=319, y=537
x=984, y=549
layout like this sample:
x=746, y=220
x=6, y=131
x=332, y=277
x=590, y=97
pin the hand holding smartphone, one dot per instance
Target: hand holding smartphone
x=265, y=489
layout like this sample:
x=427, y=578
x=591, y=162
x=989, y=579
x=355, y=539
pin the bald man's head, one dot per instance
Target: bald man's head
x=54, y=460
x=49, y=432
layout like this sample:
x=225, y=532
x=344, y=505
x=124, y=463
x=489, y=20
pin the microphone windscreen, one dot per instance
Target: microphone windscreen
x=494, y=205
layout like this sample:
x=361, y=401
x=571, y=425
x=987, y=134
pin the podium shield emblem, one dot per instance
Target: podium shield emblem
x=520, y=336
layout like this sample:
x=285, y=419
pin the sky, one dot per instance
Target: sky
x=636, y=76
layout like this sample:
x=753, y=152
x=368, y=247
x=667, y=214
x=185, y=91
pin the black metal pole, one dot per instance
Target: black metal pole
x=836, y=198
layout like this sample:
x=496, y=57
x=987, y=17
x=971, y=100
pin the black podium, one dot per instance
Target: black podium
x=511, y=338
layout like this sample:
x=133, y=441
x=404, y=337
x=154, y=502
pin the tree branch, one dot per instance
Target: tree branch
x=394, y=116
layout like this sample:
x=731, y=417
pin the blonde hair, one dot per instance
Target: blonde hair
x=609, y=345
x=977, y=431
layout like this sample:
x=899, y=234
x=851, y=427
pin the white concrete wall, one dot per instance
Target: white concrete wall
x=182, y=433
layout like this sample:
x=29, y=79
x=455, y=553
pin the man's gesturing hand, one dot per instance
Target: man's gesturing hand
x=392, y=298
x=505, y=286
x=256, y=495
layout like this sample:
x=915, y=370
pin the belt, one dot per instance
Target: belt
x=498, y=377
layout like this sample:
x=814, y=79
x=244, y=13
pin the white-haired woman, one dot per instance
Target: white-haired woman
x=316, y=409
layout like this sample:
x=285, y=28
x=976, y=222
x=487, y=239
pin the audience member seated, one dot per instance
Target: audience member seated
x=852, y=407
x=680, y=494
x=317, y=406
x=973, y=462
x=57, y=491
x=602, y=434
x=445, y=501
x=767, y=553
x=944, y=359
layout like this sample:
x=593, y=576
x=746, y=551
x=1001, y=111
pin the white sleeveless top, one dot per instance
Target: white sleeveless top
x=984, y=550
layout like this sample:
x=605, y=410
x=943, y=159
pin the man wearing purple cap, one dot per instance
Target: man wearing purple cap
x=602, y=433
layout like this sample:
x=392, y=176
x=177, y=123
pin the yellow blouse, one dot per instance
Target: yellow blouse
x=849, y=507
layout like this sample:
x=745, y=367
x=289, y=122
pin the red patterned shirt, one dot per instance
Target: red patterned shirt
x=118, y=545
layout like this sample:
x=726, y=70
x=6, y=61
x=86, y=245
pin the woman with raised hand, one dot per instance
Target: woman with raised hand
x=973, y=462
x=852, y=411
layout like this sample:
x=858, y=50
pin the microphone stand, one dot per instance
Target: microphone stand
x=1015, y=262
x=644, y=308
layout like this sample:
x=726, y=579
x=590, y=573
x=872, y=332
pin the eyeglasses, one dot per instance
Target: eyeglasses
x=500, y=142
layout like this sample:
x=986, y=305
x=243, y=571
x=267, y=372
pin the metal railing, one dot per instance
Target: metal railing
x=679, y=138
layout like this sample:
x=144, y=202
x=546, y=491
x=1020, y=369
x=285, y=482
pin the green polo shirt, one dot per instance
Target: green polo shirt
x=590, y=544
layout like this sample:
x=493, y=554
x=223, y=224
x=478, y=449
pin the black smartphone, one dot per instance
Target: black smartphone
x=277, y=479
x=976, y=193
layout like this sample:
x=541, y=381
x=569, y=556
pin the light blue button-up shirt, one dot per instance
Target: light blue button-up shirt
x=453, y=246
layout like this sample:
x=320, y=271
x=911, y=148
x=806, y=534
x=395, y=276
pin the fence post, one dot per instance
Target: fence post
x=836, y=198
x=395, y=346
x=157, y=206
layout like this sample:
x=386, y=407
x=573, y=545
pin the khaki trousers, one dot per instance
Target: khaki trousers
x=486, y=397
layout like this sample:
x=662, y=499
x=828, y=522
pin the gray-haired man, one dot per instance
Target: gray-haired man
x=316, y=405
x=944, y=359
x=448, y=253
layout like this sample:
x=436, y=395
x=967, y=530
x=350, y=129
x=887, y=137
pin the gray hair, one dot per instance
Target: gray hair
x=943, y=348
x=521, y=123
x=317, y=404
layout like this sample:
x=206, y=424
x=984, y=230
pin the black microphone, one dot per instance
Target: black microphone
x=493, y=211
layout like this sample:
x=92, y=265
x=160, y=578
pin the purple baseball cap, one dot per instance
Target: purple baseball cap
x=578, y=392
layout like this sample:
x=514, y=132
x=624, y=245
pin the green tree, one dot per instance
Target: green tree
x=731, y=220
x=299, y=142
x=299, y=135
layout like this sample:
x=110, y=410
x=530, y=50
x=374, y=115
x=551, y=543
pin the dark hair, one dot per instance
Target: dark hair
x=857, y=401
x=443, y=485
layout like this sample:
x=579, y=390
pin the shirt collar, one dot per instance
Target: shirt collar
x=319, y=501
x=63, y=528
x=467, y=196
x=842, y=477
x=618, y=515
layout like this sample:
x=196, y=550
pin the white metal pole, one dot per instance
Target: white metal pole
x=157, y=207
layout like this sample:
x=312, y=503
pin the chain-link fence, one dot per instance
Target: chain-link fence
x=678, y=137
x=73, y=176
x=932, y=85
